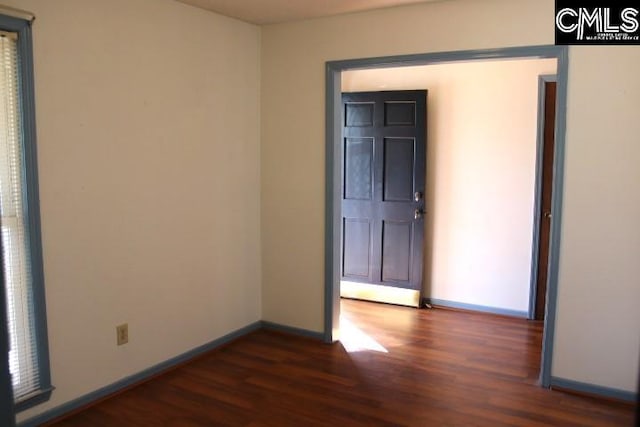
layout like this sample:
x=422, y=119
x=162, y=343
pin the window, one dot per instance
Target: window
x=20, y=220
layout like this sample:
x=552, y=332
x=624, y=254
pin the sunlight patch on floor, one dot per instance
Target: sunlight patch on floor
x=353, y=339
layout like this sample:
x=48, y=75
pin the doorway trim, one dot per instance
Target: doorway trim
x=535, y=244
x=333, y=170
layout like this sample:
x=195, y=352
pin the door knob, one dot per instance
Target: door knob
x=547, y=214
x=419, y=213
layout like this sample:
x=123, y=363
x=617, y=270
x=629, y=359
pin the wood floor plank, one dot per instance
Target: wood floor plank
x=424, y=368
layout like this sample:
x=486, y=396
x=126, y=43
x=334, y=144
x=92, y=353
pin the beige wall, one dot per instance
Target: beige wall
x=598, y=325
x=597, y=331
x=481, y=155
x=148, y=139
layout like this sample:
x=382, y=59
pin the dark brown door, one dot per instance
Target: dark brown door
x=545, y=205
x=383, y=187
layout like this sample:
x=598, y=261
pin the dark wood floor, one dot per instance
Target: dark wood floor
x=413, y=368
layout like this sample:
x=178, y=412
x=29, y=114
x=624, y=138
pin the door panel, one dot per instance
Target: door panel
x=396, y=251
x=384, y=170
x=357, y=246
x=359, y=114
x=358, y=168
x=400, y=113
x=399, y=157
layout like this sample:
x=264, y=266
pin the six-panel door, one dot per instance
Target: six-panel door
x=383, y=187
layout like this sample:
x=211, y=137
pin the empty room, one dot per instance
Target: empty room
x=173, y=217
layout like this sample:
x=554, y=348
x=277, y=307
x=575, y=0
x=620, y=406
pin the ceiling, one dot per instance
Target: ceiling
x=276, y=11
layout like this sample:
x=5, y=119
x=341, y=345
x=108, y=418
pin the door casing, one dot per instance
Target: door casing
x=333, y=178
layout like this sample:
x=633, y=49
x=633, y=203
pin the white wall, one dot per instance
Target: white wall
x=148, y=139
x=597, y=338
x=598, y=325
x=481, y=154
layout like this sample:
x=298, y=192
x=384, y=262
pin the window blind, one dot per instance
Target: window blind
x=23, y=360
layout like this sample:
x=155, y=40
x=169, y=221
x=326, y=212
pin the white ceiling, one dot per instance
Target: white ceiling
x=275, y=11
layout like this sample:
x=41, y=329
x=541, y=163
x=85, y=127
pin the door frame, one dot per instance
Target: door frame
x=333, y=170
x=535, y=244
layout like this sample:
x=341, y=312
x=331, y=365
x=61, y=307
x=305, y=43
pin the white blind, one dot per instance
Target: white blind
x=15, y=243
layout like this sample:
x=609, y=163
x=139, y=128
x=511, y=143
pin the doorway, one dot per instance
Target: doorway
x=334, y=173
x=480, y=180
x=547, y=91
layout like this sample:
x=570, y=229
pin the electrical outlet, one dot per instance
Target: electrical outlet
x=122, y=333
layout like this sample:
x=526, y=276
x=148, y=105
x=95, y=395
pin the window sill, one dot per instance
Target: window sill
x=34, y=399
